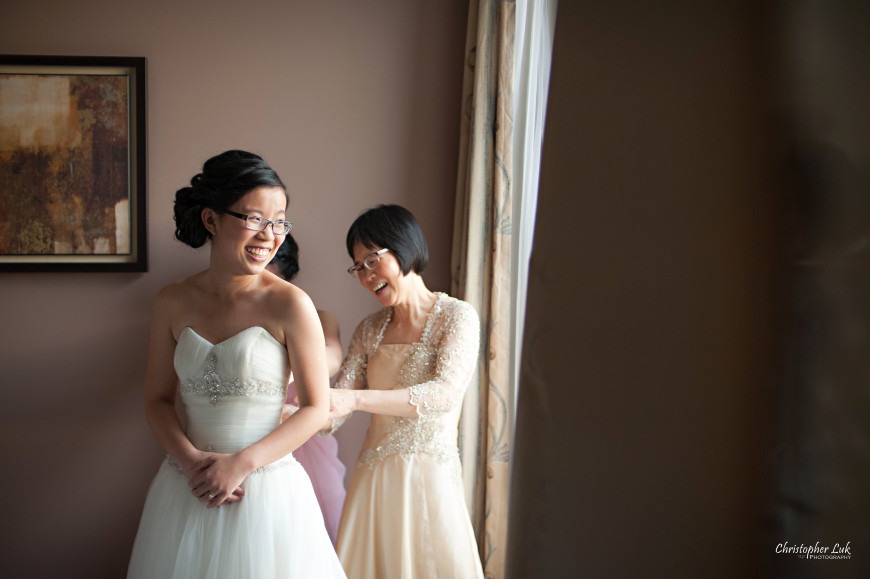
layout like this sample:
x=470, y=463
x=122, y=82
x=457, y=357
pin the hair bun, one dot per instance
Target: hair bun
x=189, y=228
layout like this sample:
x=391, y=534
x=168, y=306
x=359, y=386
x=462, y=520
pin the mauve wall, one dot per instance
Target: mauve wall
x=354, y=103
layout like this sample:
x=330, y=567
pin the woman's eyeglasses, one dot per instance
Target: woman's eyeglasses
x=371, y=261
x=257, y=223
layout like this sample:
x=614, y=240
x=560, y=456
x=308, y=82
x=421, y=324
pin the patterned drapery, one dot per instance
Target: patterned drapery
x=482, y=267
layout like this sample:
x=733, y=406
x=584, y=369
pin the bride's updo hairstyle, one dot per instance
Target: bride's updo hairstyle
x=225, y=179
x=395, y=228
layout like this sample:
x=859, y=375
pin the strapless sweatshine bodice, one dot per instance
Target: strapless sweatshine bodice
x=234, y=390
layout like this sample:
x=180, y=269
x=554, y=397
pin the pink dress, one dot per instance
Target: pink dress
x=319, y=457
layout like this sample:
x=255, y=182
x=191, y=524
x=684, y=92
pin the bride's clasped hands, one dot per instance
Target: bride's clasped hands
x=212, y=477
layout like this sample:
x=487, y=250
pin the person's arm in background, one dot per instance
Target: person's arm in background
x=332, y=335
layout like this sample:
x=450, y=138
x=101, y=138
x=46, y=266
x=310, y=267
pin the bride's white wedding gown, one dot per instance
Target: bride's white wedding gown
x=234, y=393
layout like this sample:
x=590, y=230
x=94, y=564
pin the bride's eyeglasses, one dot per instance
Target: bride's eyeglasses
x=371, y=261
x=257, y=223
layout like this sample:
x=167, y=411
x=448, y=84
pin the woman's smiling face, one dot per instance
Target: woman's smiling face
x=252, y=250
x=385, y=280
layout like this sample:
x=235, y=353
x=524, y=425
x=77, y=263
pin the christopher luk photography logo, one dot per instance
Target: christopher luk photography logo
x=817, y=551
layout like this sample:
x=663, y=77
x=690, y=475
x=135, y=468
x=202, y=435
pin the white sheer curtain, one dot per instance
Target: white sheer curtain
x=535, y=23
x=495, y=201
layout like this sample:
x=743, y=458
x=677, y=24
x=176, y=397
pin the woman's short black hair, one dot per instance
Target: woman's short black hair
x=395, y=228
x=225, y=179
x=287, y=258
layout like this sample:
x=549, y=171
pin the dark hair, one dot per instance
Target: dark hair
x=393, y=227
x=287, y=258
x=225, y=179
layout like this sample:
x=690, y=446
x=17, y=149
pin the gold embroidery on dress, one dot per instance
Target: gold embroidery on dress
x=436, y=373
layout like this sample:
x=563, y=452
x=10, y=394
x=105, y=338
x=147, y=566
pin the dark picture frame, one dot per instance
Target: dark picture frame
x=72, y=164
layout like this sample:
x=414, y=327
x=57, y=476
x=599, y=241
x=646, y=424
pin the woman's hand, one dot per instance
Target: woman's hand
x=216, y=479
x=188, y=464
x=341, y=403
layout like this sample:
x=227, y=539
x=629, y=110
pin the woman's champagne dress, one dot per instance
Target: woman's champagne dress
x=405, y=514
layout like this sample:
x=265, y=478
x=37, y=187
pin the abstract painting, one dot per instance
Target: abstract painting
x=72, y=174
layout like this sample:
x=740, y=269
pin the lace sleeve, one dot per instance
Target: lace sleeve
x=352, y=373
x=455, y=362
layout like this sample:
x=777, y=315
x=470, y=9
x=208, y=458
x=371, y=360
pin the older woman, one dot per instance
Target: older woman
x=225, y=340
x=408, y=365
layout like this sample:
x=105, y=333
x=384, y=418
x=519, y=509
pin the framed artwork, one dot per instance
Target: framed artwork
x=72, y=164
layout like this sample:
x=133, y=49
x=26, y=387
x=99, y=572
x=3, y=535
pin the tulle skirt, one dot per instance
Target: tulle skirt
x=276, y=531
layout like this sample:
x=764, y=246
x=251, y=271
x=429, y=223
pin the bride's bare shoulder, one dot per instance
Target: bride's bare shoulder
x=287, y=298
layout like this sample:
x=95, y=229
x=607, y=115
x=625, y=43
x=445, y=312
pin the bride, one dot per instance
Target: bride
x=226, y=339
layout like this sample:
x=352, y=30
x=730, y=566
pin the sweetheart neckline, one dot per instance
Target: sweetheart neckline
x=236, y=335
